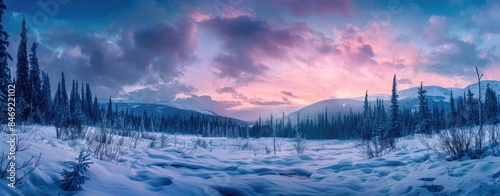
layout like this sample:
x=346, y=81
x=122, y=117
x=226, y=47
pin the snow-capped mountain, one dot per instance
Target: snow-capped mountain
x=166, y=109
x=187, y=107
x=408, y=98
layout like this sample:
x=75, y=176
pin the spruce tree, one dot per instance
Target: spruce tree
x=36, y=89
x=453, y=111
x=109, y=114
x=424, y=125
x=4, y=67
x=472, y=109
x=23, y=86
x=46, y=102
x=395, y=124
x=367, y=121
x=96, y=114
x=73, y=180
x=490, y=106
x=88, y=102
x=61, y=104
x=461, y=117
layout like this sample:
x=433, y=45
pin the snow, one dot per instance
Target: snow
x=242, y=167
x=437, y=92
x=165, y=103
x=186, y=107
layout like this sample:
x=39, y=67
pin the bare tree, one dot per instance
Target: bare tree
x=480, y=136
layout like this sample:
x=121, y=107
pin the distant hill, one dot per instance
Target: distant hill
x=168, y=109
x=407, y=99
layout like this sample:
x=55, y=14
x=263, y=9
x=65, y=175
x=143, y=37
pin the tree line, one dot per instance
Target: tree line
x=378, y=120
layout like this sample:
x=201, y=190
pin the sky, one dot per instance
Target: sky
x=245, y=58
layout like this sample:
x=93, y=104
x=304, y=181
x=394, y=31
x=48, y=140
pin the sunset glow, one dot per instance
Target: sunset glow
x=245, y=58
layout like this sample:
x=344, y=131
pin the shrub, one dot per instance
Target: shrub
x=5, y=164
x=299, y=144
x=105, y=146
x=455, y=144
x=376, y=146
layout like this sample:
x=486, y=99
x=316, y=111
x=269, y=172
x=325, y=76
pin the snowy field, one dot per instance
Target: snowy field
x=222, y=166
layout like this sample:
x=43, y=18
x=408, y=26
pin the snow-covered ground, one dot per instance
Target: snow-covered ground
x=243, y=167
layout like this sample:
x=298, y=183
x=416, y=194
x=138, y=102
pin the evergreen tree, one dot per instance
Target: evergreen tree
x=424, y=125
x=75, y=107
x=23, y=86
x=367, y=121
x=109, y=114
x=453, y=111
x=395, y=124
x=4, y=67
x=472, y=109
x=96, y=114
x=36, y=89
x=88, y=102
x=490, y=106
x=61, y=111
x=73, y=180
x=461, y=117
x=45, y=100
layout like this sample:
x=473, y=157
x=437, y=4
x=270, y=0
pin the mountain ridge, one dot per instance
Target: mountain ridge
x=408, y=98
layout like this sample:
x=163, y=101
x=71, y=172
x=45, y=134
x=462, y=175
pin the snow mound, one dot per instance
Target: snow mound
x=243, y=167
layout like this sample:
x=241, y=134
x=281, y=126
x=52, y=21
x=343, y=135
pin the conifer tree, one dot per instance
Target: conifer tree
x=490, y=106
x=96, y=113
x=23, y=86
x=35, y=89
x=424, y=125
x=472, y=109
x=367, y=121
x=61, y=105
x=4, y=67
x=73, y=180
x=395, y=124
x=46, y=102
x=453, y=111
x=109, y=113
x=88, y=102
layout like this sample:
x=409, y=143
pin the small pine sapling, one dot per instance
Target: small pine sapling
x=72, y=180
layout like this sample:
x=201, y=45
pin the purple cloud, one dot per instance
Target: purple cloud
x=288, y=93
x=247, y=42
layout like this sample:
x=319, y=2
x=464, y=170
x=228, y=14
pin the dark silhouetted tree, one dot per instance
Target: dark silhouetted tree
x=36, y=88
x=23, y=86
x=394, y=121
x=4, y=67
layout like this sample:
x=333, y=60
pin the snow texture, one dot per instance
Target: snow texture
x=242, y=167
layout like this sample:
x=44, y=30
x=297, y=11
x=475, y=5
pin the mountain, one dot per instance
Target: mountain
x=408, y=98
x=168, y=109
x=187, y=107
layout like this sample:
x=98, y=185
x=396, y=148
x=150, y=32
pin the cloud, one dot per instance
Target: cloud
x=261, y=102
x=452, y=56
x=436, y=29
x=206, y=102
x=457, y=58
x=226, y=90
x=71, y=9
x=405, y=81
x=486, y=20
x=156, y=54
x=322, y=7
x=155, y=93
x=247, y=43
x=288, y=93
